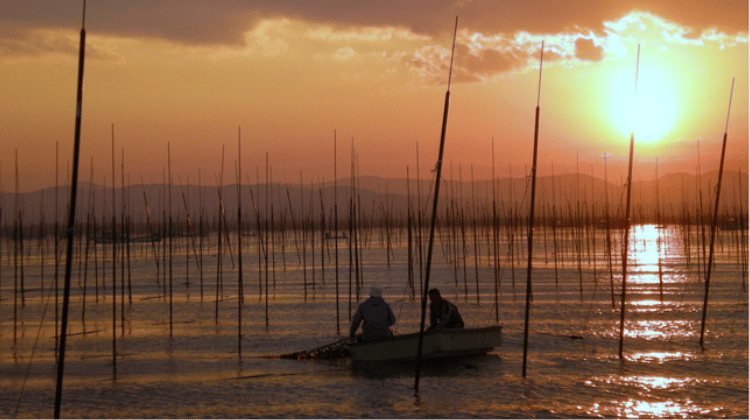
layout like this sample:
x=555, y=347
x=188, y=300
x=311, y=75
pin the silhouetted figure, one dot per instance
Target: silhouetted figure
x=375, y=315
x=443, y=314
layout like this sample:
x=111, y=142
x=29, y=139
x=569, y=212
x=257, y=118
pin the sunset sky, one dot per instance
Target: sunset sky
x=290, y=72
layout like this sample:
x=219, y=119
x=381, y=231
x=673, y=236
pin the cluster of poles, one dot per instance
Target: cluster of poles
x=471, y=234
x=271, y=234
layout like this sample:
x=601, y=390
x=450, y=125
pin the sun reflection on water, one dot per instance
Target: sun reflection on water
x=648, y=403
x=649, y=409
x=655, y=329
x=660, y=356
x=647, y=251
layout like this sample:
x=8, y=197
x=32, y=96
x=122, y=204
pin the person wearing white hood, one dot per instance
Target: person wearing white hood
x=375, y=315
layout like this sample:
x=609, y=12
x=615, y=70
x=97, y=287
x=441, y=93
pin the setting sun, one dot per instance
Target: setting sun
x=649, y=113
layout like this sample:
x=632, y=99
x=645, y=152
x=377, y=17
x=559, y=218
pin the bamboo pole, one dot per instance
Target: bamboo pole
x=554, y=227
x=71, y=217
x=336, y=226
x=219, y=266
x=16, y=228
x=531, y=220
x=420, y=227
x=240, y=289
x=474, y=216
x=169, y=233
x=410, y=250
x=626, y=234
x=88, y=242
x=438, y=170
x=150, y=229
x=113, y=285
x=124, y=241
x=495, y=238
x=659, y=230
x=57, y=245
x=265, y=237
x=200, y=230
x=2, y=204
x=713, y=225
x=607, y=221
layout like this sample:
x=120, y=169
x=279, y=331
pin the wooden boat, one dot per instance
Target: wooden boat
x=437, y=344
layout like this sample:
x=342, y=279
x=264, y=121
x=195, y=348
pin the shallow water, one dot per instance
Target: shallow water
x=573, y=364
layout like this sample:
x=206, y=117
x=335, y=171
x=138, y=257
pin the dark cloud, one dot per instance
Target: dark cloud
x=24, y=43
x=224, y=21
x=586, y=50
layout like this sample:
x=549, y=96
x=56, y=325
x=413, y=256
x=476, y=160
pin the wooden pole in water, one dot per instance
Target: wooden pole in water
x=303, y=235
x=57, y=245
x=336, y=226
x=495, y=238
x=438, y=171
x=410, y=250
x=699, y=192
x=626, y=235
x=19, y=241
x=169, y=233
x=357, y=212
x=741, y=218
x=2, y=203
x=71, y=217
x=113, y=234
x=659, y=230
x=240, y=289
x=150, y=229
x=419, y=222
x=530, y=248
x=265, y=238
x=554, y=227
x=200, y=229
x=124, y=241
x=16, y=228
x=607, y=221
x=713, y=225
x=474, y=216
x=218, y=252
x=88, y=241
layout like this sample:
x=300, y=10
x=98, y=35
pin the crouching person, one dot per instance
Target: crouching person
x=443, y=314
x=376, y=317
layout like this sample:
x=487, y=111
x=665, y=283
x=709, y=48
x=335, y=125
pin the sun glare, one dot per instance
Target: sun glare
x=650, y=112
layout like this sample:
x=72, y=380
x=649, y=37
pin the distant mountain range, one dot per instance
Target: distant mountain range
x=380, y=196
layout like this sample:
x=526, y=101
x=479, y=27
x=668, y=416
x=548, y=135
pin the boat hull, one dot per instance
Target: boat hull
x=437, y=344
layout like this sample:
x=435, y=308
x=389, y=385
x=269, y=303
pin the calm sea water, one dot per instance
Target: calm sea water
x=194, y=368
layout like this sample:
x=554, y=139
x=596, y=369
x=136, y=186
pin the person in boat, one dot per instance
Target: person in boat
x=376, y=317
x=443, y=314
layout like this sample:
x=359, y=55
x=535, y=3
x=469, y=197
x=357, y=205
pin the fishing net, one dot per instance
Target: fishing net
x=336, y=350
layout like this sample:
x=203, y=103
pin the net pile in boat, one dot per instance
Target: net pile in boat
x=336, y=350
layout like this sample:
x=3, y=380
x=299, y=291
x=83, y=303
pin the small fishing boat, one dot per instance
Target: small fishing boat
x=437, y=344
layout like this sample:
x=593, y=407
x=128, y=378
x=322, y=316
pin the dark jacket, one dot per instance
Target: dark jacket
x=376, y=316
x=445, y=315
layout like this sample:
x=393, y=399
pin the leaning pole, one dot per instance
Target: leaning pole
x=438, y=170
x=716, y=218
x=531, y=219
x=71, y=217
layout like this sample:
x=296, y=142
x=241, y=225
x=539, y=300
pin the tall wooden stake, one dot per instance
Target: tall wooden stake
x=240, y=288
x=438, y=171
x=713, y=225
x=531, y=219
x=336, y=226
x=71, y=217
x=626, y=235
